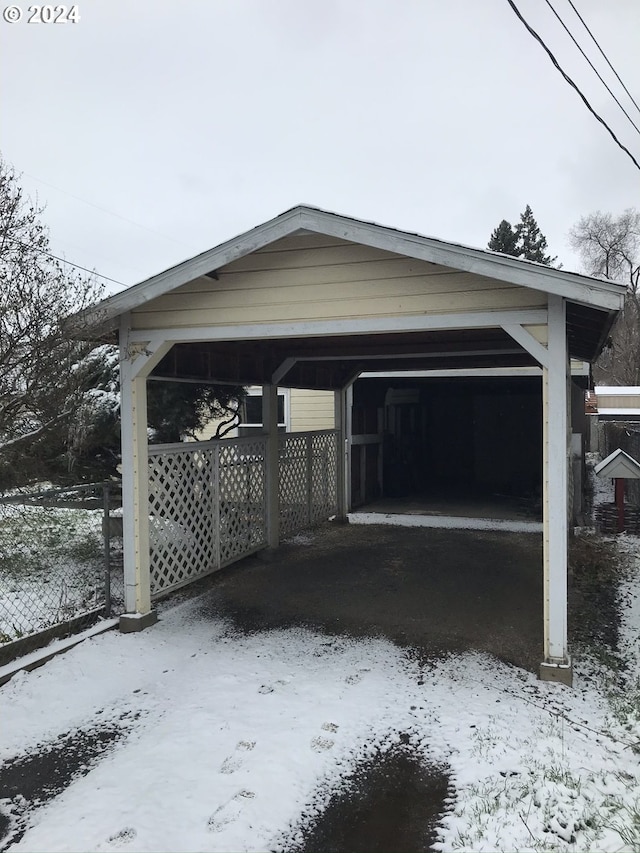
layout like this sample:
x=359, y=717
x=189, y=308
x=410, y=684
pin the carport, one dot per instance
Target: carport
x=312, y=299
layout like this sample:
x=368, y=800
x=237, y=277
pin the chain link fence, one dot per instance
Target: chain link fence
x=60, y=564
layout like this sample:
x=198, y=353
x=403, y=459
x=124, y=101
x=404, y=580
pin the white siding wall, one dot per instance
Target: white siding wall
x=311, y=410
x=312, y=277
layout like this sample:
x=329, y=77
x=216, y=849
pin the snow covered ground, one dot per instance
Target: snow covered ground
x=228, y=738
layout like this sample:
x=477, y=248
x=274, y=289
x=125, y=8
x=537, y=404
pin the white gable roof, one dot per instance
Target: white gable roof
x=598, y=293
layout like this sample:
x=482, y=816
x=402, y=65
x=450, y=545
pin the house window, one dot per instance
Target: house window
x=251, y=411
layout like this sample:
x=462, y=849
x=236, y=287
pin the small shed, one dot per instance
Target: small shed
x=312, y=299
x=618, y=465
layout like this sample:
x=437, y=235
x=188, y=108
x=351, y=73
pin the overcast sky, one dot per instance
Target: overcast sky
x=192, y=121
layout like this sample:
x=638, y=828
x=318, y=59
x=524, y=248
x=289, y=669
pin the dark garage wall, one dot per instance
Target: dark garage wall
x=482, y=434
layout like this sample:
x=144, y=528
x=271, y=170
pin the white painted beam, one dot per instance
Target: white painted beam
x=340, y=419
x=135, y=484
x=354, y=326
x=145, y=359
x=349, y=438
x=528, y=342
x=270, y=428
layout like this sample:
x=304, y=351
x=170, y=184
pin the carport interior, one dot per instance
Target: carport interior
x=466, y=439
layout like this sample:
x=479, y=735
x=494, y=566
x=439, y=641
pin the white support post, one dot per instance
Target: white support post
x=348, y=403
x=134, y=367
x=556, y=665
x=135, y=496
x=340, y=420
x=270, y=429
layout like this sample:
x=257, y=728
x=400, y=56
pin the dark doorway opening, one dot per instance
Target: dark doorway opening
x=426, y=439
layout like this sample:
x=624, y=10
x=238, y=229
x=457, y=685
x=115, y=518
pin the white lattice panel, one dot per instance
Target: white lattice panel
x=308, y=479
x=183, y=539
x=293, y=483
x=324, y=476
x=242, y=511
x=207, y=500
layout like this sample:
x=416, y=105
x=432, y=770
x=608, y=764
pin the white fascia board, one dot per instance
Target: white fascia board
x=617, y=390
x=572, y=286
x=618, y=412
x=331, y=328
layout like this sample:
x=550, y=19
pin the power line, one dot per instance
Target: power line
x=65, y=261
x=538, y=38
x=110, y=212
x=600, y=77
x=595, y=41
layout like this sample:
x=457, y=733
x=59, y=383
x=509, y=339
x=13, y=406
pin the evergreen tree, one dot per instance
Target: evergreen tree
x=504, y=240
x=532, y=244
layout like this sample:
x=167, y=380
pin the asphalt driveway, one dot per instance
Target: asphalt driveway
x=436, y=590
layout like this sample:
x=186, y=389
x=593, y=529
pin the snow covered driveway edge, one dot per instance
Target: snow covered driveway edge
x=448, y=521
x=239, y=734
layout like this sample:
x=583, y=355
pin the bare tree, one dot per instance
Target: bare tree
x=610, y=248
x=42, y=371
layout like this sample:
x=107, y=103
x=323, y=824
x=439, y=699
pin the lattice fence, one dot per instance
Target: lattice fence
x=207, y=507
x=207, y=500
x=308, y=479
x=241, y=477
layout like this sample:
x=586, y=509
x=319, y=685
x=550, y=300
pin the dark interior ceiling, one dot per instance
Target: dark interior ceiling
x=330, y=362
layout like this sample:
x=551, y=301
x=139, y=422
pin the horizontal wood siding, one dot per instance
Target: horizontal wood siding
x=315, y=278
x=540, y=333
x=619, y=401
x=311, y=410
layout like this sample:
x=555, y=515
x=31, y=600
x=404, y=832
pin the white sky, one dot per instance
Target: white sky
x=201, y=119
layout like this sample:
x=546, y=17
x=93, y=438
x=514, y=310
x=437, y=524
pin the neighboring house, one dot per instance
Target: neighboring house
x=299, y=410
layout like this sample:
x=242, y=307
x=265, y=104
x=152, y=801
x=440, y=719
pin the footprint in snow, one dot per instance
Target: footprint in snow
x=321, y=744
x=123, y=837
x=235, y=762
x=356, y=677
x=229, y=812
x=269, y=688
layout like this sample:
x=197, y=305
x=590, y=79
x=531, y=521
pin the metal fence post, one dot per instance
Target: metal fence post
x=106, y=532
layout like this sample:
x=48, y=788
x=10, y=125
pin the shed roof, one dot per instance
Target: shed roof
x=619, y=464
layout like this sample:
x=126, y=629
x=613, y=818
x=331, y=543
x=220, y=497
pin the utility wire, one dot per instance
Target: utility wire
x=110, y=212
x=600, y=77
x=595, y=41
x=65, y=261
x=538, y=38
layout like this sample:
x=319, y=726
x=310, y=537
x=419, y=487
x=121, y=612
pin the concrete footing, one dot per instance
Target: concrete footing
x=562, y=673
x=132, y=622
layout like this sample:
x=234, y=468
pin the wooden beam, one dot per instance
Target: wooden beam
x=270, y=428
x=353, y=326
x=528, y=342
x=135, y=482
